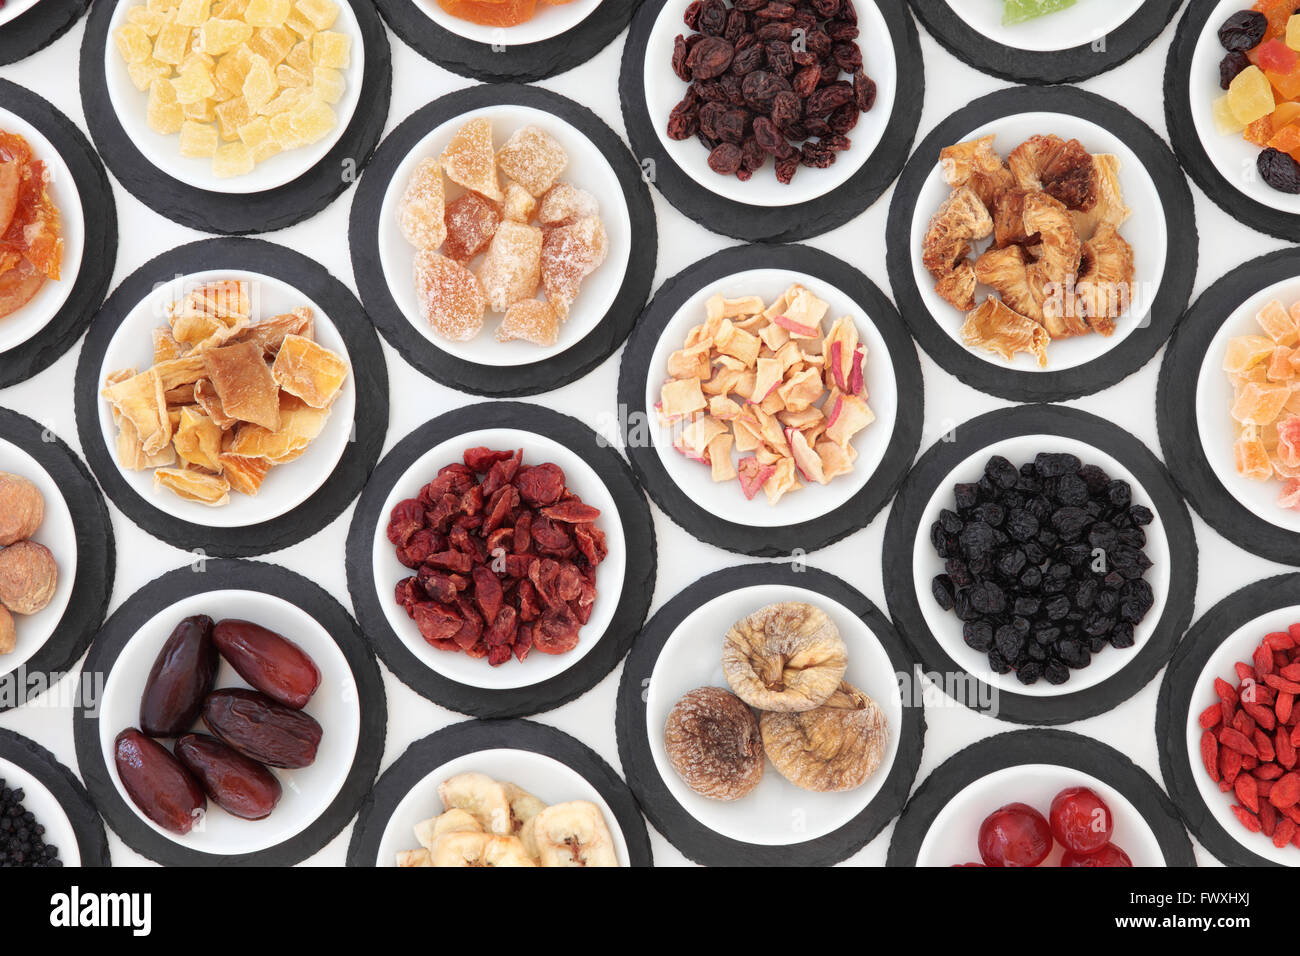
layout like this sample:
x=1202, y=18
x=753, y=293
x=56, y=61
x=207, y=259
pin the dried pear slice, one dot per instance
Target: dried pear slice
x=784, y=657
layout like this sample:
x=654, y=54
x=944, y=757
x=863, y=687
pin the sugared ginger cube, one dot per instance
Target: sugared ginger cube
x=232, y=159
x=198, y=139
x=331, y=49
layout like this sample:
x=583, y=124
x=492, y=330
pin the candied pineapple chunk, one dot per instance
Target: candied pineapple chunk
x=232, y=159
x=198, y=139
x=257, y=137
x=193, y=13
x=274, y=43
x=260, y=84
x=194, y=84
x=164, y=113
x=221, y=36
x=133, y=43
x=267, y=13
x=172, y=43
x=291, y=79
x=233, y=114
x=150, y=21
x=327, y=84
x=331, y=49
x=314, y=122
x=283, y=133
x=143, y=74
x=319, y=13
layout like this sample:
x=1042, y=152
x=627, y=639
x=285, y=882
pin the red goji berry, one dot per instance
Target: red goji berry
x=1244, y=723
x=1282, y=684
x=1235, y=740
x=1284, y=753
x=1294, y=631
x=1227, y=693
x=1264, y=747
x=1290, y=671
x=1283, y=707
x=1269, y=771
x=1267, y=818
x=1261, y=715
x=1263, y=660
x=1284, y=833
x=1210, y=754
x=1286, y=791
x=1247, y=793
x=1248, y=819
x=1229, y=765
x=1211, y=716
x=1244, y=671
x=1279, y=641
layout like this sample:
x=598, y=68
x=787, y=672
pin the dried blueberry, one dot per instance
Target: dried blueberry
x=1054, y=672
x=1074, y=654
x=966, y=496
x=978, y=635
x=1140, y=515
x=1072, y=490
x=1021, y=525
x=1001, y=472
x=1243, y=30
x=1121, y=635
x=1030, y=673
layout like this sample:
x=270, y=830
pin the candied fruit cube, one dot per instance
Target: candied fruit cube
x=1286, y=85
x=1259, y=131
x=299, y=57
x=327, y=84
x=267, y=13
x=283, y=133
x=1286, y=139
x=133, y=43
x=530, y=320
x=512, y=268
x=1278, y=324
x=533, y=158
x=570, y=254
x=1285, y=114
x=290, y=78
x=232, y=159
x=319, y=13
x=222, y=36
x=193, y=84
x=274, y=43
x=471, y=222
x=1251, y=458
x=200, y=111
x=150, y=21
x=1293, y=32
x=300, y=25
x=1260, y=403
x=1250, y=96
x=260, y=85
x=1245, y=352
x=1224, y=120
x=286, y=101
x=198, y=139
x=232, y=67
x=193, y=13
x=161, y=6
x=450, y=297
x=331, y=49
x=420, y=213
x=231, y=115
x=256, y=135
x=519, y=204
x=163, y=113
x=172, y=43
x=468, y=160
x=143, y=74
x=314, y=121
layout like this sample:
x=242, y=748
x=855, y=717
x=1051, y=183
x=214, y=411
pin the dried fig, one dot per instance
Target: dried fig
x=830, y=748
x=28, y=576
x=7, y=636
x=21, y=508
x=714, y=744
x=784, y=657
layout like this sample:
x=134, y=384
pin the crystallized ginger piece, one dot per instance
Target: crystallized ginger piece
x=533, y=158
x=327, y=84
x=133, y=43
x=290, y=78
x=520, y=204
x=283, y=133
x=193, y=13
x=163, y=112
x=570, y=254
x=530, y=320
x=231, y=115
x=193, y=84
x=256, y=135
x=260, y=84
x=274, y=43
x=512, y=268
x=471, y=223
x=420, y=213
x=467, y=159
x=198, y=139
x=222, y=36
x=564, y=204
x=171, y=44
x=314, y=121
x=143, y=74
x=331, y=49
x=451, y=298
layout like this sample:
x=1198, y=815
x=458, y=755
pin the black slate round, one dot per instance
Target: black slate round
x=399, y=329
x=239, y=213
x=36, y=29
x=471, y=736
x=504, y=62
x=819, y=532
x=1052, y=66
x=1175, y=710
x=368, y=374
x=92, y=841
x=757, y=223
x=1187, y=142
x=99, y=226
x=903, y=535
x=1059, y=748
x=1177, y=417
x=155, y=597
x=674, y=821
x=368, y=596
x=96, y=558
x=984, y=371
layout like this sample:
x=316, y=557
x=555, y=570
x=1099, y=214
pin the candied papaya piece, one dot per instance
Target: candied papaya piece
x=488, y=13
x=1280, y=367
x=421, y=210
x=309, y=371
x=1285, y=114
x=1250, y=96
x=468, y=159
x=451, y=298
x=1292, y=35
x=1251, y=459
x=512, y=268
x=471, y=222
x=1278, y=14
x=530, y=320
x=1260, y=403
x=1285, y=85
x=1258, y=132
x=1286, y=139
x=1278, y=324
x=533, y=158
x=1274, y=56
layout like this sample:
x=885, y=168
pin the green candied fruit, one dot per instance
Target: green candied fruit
x=1018, y=11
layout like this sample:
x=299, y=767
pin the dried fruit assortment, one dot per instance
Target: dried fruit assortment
x=249, y=730
x=485, y=822
x=538, y=236
x=767, y=383
x=769, y=78
x=1260, y=74
x=496, y=13
x=228, y=396
x=787, y=661
x=1250, y=735
x=31, y=241
x=1266, y=400
x=22, y=836
x=1054, y=264
x=29, y=574
x=504, y=555
x=1080, y=821
x=1044, y=565
x=239, y=80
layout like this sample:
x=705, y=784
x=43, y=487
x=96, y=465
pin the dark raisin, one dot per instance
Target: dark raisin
x=713, y=18
x=760, y=89
x=1243, y=30
x=978, y=635
x=709, y=58
x=725, y=158
x=1230, y=66
x=1279, y=170
x=1029, y=673
x=864, y=91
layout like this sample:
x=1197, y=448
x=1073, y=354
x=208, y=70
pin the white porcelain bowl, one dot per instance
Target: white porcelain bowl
x=548, y=20
x=663, y=90
x=307, y=792
x=286, y=486
x=953, y=837
x=163, y=152
x=1144, y=230
x=776, y=812
x=57, y=533
x=544, y=777
x=945, y=626
x=47, y=810
x=1084, y=23
x=1238, y=646
x=536, y=667
x=587, y=169
x=726, y=499
x=17, y=328
x=1216, y=429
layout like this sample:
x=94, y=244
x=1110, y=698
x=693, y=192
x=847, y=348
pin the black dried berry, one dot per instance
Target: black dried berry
x=1074, y=654
x=1121, y=635
x=966, y=496
x=1232, y=64
x=1140, y=515
x=978, y=635
x=1072, y=490
x=1056, y=464
x=1001, y=472
x=1029, y=673
x=1243, y=31
x=943, y=591
x=1279, y=170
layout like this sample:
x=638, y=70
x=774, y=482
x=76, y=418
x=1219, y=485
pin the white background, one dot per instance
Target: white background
x=949, y=85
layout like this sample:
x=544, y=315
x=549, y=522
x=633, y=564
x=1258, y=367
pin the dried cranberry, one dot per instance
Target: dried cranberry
x=1243, y=31
x=1279, y=170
